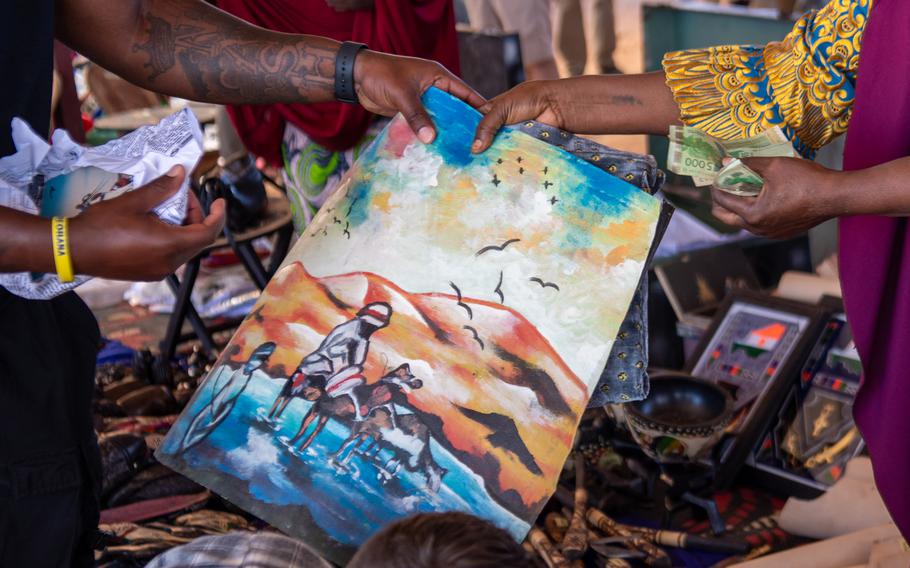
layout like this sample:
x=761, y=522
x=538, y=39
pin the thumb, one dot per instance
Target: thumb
x=154, y=193
x=496, y=113
x=412, y=110
x=202, y=234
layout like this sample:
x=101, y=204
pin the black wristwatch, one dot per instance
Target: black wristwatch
x=344, y=71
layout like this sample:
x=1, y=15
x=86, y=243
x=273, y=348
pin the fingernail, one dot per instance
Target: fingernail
x=425, y=134
x=475, y=147
x=174, y=171
x=726, y=161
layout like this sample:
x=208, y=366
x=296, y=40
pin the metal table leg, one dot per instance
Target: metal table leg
x=280, y=250
x=183, y=310
x=250, y=260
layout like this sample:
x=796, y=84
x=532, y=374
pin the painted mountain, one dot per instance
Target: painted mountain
x=430, y=342
x=467, y=406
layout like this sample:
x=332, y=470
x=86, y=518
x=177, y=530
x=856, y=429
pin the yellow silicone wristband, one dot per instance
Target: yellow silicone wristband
x=62, y=260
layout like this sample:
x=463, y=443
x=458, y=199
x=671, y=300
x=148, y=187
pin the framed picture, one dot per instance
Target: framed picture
x=697, y=282
x=755, y=347
x=813, y=435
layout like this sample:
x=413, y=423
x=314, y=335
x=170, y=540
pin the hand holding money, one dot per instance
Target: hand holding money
x=694, y=153
x=796, y=195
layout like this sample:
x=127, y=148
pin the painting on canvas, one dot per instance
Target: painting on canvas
x=430, y=342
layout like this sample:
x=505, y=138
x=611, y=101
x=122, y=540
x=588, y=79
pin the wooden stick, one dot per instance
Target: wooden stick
x=545, y=549
x=576, y=540
x=555, y=526
x=654, y=556
x=609, y=562
x=678, y=539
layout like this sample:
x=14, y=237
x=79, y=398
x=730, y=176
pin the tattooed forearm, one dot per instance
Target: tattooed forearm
x=226, y=60
x=624, y=100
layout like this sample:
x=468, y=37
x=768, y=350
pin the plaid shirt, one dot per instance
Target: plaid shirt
x=250, y=549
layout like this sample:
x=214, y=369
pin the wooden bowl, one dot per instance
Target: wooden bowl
x=681, y=420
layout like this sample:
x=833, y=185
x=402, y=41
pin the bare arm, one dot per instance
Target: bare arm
x=605, y=104
x=192, y=50
x=880, y=190
x=25, y=242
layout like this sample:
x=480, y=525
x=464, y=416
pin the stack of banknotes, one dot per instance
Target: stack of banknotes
x=694, y=153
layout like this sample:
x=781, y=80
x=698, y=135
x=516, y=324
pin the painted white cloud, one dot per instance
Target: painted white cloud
x=259, y=452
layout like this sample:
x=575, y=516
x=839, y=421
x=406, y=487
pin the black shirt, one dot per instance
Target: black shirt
x=47, y=348
x=49, y=462
x=27, y=61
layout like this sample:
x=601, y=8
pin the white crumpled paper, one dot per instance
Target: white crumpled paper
x=144, y=154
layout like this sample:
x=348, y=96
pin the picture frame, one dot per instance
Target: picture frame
x=696, y=282
x=809, y=442
x=755, y=347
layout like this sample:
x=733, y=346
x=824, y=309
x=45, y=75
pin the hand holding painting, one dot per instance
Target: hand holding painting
x=508, y=274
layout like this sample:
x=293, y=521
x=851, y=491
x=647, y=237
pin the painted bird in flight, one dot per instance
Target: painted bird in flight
x=476, y=336
x=544, y=284
x=498, y=290
x=499, y=248
x=466, y=307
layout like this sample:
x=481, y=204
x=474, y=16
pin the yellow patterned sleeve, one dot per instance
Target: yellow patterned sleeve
x=804, y=84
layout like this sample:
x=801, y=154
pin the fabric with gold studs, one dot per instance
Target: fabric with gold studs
x=625, y=377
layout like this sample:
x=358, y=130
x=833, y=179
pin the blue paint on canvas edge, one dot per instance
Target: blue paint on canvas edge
x=454, y=139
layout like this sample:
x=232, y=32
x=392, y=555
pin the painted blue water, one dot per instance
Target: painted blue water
x=349, y=505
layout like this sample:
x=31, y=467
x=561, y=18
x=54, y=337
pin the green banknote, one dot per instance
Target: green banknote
x=738, y=179
x=694, y=153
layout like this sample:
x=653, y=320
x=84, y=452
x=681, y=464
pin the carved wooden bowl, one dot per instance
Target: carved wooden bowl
x=682, y=418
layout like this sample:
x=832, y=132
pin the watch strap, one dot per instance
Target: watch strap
x=344, y=71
